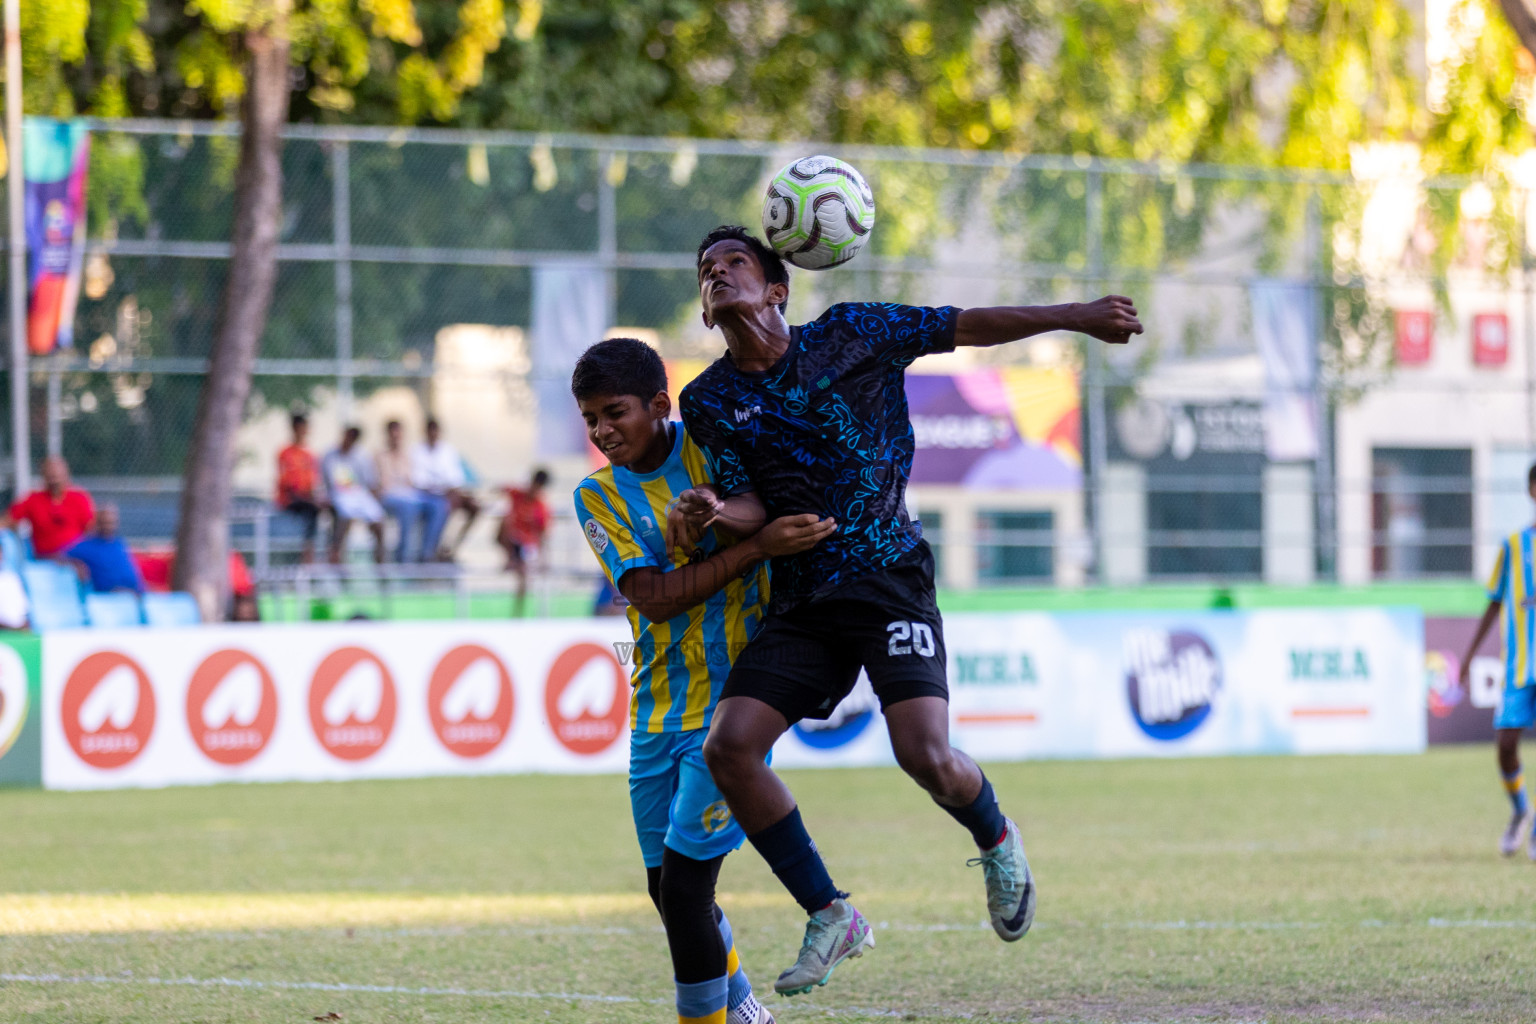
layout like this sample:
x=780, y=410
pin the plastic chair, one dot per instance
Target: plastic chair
x=54, y=592
x=13, y=553
x=115, y=610
x=178, y=608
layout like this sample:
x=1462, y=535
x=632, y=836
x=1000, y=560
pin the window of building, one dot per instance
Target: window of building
x=1421, y=512
x=1014, y=547
x=1205, y=526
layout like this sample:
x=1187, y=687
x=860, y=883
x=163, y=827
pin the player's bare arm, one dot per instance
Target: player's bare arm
x=1490, y=616
x=1111, y=319
x=699, y=508
x=660, y=596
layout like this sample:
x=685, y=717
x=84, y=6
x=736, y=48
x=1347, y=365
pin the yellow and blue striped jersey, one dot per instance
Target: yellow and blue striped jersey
x=1512, y=584
x=678, y=666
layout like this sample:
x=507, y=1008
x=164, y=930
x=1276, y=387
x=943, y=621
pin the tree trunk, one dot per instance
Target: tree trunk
x=202, y=534
x=1523, y=20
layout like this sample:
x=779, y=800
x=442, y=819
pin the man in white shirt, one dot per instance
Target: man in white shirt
x=437, y=471
x=349, y=481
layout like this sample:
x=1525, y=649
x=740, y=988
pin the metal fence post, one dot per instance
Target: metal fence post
x=341, y=219
x=608, y=236
x=21, y=442
x=1098, y=445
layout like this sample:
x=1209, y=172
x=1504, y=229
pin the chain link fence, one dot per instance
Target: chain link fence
x=1275, y=423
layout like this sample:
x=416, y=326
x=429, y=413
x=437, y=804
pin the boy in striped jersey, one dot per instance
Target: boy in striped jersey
x=1512, y=589
x=689, y=621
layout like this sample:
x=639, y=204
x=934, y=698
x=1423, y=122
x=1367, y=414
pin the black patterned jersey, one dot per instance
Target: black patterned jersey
x=825, y=430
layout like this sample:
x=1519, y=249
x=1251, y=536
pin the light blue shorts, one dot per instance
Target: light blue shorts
x=675, y=802
x=1517, y=710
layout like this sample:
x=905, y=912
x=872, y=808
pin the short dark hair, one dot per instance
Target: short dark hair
x=775, y=270
x=1530, y=477
x=392, y=424
x=432, y=424
x=540, y=477
x=619, y=366
x=298, y=420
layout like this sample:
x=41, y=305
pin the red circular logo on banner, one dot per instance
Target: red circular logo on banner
x=352, y=704
x=108, y=709
x=469, y=701
x=231, y=706
x=586, y=699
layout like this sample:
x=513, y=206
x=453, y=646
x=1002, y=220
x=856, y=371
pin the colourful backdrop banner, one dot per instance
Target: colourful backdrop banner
x=56, y=155
x=1008, y=428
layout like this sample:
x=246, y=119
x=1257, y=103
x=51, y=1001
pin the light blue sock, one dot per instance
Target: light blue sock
x=741, y=985
x=702, y=1002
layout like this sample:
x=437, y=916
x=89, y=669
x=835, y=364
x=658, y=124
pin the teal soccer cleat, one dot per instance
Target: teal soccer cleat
x=1010, y=886
x=833, y=934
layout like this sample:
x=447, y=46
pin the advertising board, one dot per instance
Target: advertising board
x=20, y=717
x=375, y=700
x=1456, y=713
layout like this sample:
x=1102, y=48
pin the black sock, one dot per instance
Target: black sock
x=788, y=849
x=688, y=909
x=982, y=817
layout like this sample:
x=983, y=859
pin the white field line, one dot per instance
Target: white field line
x=364, y=932
x=424, y=990
x=317, y=986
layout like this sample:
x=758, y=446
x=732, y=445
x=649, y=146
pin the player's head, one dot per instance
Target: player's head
x=739, y=274
x=1530, y=481
x=540, y=480
x=620, y=386
x=300, y=426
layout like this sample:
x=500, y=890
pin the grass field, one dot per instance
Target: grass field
x=1232, y=889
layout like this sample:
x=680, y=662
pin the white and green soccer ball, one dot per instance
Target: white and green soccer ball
x=818, y=213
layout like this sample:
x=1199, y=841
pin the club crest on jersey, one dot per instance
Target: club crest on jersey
x=597, y=536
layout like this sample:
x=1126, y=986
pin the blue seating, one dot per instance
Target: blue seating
x=177, y=608
x=117, y=609
x=54, y=593
x=13, y=552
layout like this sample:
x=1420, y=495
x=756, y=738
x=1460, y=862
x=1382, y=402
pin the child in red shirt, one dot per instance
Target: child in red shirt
x=298, y=484
x=523, y=530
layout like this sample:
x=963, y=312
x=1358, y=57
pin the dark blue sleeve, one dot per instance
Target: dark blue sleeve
x=705, y=420
x=899, y=334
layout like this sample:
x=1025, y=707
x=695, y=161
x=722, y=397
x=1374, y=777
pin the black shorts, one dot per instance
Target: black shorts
x=803, y=662
x=308, y=513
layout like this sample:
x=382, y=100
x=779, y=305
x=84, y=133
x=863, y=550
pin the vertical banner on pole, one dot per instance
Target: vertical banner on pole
x=56, y=154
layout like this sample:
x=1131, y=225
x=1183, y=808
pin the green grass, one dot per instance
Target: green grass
x=1223, y=889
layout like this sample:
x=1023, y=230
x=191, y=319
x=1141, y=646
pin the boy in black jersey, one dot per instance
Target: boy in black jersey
x=813, y=418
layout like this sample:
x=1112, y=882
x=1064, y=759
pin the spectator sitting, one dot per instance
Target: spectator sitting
x=58, y=514
x=438, y=472
x=103, y=557
x=408, y=506
x=522, y=531
x=348, y=478
x=298, y=484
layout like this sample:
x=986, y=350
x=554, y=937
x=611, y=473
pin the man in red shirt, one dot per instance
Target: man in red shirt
x=298, y=484
x=58, y=514
x=522, y=531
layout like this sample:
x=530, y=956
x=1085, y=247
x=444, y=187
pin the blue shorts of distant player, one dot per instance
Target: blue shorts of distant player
x=675, y=802
x=1517, y=709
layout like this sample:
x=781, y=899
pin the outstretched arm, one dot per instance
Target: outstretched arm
x=1111, y=319
x=660, y=596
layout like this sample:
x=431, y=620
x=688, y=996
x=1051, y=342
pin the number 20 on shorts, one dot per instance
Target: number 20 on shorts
x=910, y=638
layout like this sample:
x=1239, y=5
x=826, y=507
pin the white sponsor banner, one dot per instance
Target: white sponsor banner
x=141, y=707
x=371, y=700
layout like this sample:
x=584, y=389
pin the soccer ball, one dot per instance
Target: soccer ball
x=818, y=213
